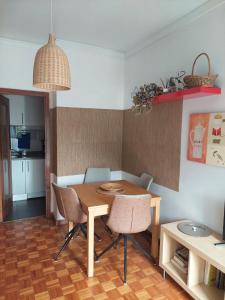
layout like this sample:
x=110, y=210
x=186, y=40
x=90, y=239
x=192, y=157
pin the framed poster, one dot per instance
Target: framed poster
x=206, y=140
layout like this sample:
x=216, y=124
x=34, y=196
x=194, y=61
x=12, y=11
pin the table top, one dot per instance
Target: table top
x=89, y=196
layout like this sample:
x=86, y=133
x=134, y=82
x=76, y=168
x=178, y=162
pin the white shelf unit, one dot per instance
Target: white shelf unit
x=201, y=250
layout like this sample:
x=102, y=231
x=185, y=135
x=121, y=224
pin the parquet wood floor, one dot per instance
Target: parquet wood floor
x=27, y=270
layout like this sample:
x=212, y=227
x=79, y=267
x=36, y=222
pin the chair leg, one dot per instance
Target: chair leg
x=96, y=256
x=139, y=247
x=107, y=229
x=115, y=245
x=77, y=232
x=72, y=233
x=68, y=233
x=97, y=237
x=125, y=258
x=110, y=246
x=84, y=226
x=83, y=230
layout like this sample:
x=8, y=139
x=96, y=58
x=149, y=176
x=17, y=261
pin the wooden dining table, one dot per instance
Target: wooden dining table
x=95, y=204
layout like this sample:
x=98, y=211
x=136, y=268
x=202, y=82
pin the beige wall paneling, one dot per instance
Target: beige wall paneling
x=152, y=142
x=88, y=138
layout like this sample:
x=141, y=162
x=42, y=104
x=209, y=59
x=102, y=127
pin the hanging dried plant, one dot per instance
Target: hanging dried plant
x=144, y=96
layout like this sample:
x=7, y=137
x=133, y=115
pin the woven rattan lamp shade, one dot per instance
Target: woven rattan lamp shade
x=51, y=68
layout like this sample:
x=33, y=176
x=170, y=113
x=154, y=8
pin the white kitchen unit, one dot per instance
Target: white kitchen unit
x=35, y=178
x=19, y=179
x=26, y=111
x=28, y=178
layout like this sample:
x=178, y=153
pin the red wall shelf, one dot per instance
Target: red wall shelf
x=192, y=93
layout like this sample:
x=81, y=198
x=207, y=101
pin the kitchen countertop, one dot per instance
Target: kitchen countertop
x=27, y=157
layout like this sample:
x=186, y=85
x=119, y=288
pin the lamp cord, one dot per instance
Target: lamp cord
x=51, y=14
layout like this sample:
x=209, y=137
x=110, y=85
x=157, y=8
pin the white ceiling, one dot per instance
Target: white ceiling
x=114, y=24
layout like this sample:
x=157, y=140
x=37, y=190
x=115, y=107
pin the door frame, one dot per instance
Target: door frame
x=45, y=96
x=3, y=209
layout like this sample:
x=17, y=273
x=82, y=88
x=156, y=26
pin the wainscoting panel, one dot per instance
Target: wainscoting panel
x=152, y=142
x=88, y=138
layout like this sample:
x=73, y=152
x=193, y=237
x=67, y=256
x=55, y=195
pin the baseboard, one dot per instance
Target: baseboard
x=28, y=196
x=19, y=197
x=58, y=222
x=36, y=195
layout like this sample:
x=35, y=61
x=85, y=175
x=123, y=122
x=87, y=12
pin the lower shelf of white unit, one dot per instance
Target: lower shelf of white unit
x=205, y=292
x=175, y=273
x=200, y=291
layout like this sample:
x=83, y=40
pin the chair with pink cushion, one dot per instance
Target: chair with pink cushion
x=69, y=207
x=129, y=214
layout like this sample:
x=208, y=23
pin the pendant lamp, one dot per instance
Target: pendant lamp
x=51, y=67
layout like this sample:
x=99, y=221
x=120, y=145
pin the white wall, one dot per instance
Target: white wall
x=202, y=187
x=16, y=61
x=98, y=81
x=97, y=74
x=97, y=78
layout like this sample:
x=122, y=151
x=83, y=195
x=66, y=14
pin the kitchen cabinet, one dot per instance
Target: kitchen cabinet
x=34, y=111
x=35, y=178
x=17, y=110
x=28, y=178
x=26, y=111
x=19, y=179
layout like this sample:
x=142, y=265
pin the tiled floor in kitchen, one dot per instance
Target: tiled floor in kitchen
x=27, y=208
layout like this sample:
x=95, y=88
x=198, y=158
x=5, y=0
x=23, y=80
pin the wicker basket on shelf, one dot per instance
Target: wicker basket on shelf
x=199, y=80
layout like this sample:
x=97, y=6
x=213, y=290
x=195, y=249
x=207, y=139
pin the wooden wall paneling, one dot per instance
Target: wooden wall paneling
x=5, y=160
x=88, y=138
x=152, y=141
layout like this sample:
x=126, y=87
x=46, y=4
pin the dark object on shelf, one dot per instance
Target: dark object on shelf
x=24, y=141
x=180, y=259
x=200, y=80
x=175, y=83
x=194, y=229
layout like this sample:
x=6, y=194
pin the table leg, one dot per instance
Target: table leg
x=90, y=235
x=155, y=231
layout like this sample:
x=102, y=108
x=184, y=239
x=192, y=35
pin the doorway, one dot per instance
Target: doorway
x=27, y=191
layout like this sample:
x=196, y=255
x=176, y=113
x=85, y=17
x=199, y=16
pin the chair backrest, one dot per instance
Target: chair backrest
x=68, y=203
x=130, y=214
x=97, y=174
x=145, y=181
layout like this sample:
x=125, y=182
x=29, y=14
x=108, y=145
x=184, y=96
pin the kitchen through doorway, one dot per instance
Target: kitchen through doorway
x=27, y=157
